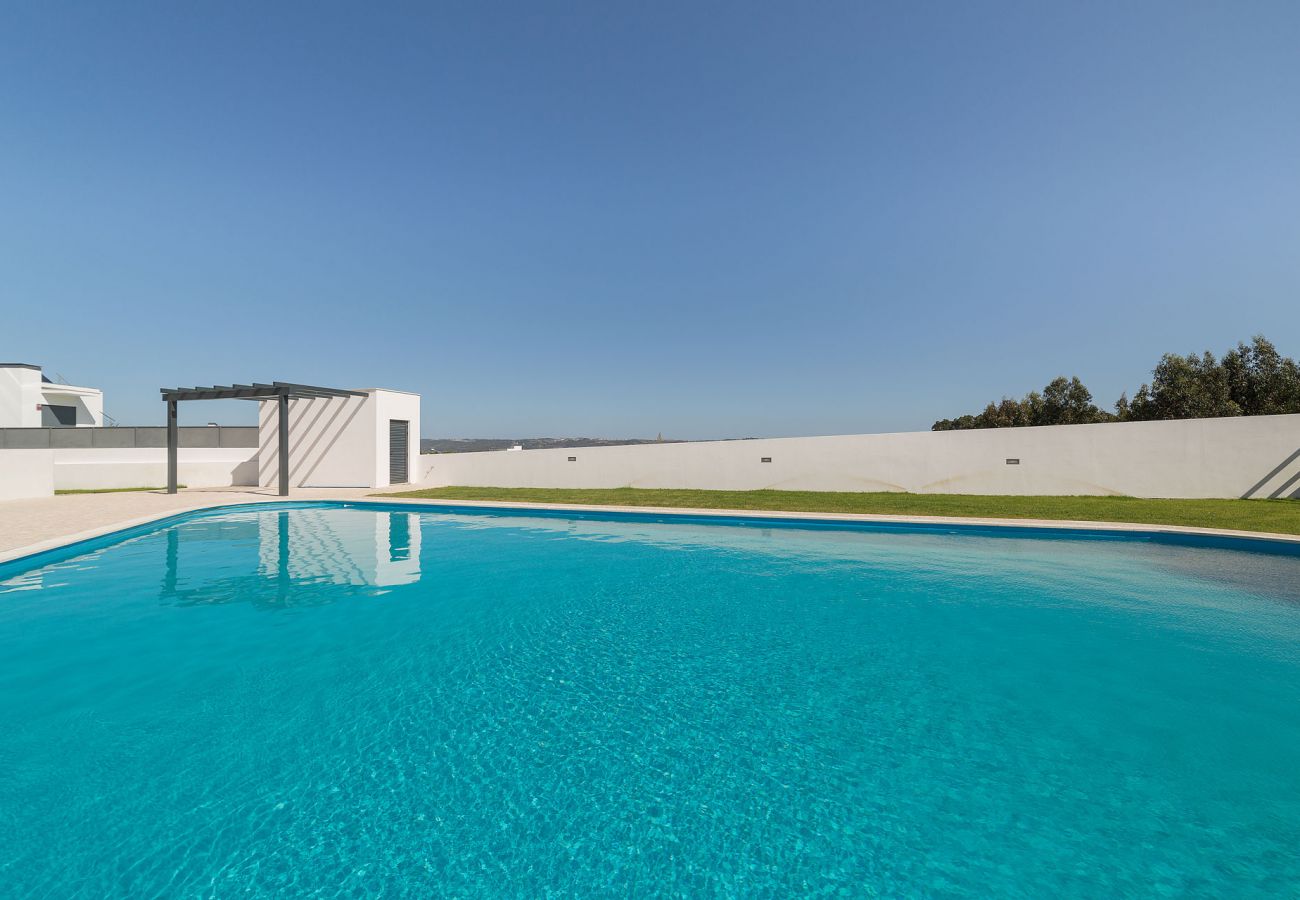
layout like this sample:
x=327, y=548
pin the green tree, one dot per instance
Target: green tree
x=1008, y=413
x=1251, y=380
x=961, y=423
x=1065, y=401
x=1122, y=411
x=1185, y=387
x=1262, y=381
x=1068, y=402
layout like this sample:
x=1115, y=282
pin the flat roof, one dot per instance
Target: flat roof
x=54, y=387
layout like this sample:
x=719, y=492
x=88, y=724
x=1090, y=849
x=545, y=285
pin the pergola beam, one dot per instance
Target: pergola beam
x=218, y=393
x=301, y=389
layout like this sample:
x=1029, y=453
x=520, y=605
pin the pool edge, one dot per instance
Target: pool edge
x=1135, y=529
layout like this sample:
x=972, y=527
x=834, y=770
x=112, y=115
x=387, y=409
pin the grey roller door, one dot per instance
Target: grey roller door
x=398, y=450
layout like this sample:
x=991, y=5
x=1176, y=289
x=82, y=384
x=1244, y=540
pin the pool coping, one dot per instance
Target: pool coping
x=1136, y=528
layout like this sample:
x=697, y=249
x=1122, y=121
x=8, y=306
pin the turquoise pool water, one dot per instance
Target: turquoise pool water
x=334, y=701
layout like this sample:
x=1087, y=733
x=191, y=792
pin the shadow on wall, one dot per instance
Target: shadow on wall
x=245, y=474
x=1289, y=488
x=315, y=426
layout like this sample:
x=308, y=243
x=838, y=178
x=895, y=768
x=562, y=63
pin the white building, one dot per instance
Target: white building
x=371, y=439
x=30, y=400
x=367, y=438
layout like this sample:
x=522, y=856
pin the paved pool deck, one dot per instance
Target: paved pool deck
x=31, y=526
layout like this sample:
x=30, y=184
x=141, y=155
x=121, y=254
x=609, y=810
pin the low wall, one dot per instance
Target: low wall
x=39, y=473
x=1257, y=456
x=26, y=473
x=90, y=468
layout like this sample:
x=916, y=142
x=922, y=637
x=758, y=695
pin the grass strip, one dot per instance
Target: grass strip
x=1276, y=516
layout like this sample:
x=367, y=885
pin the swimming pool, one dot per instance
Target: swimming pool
x=332, y=699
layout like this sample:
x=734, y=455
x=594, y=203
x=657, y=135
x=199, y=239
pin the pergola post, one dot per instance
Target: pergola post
x=282, y=401
x=173, y=442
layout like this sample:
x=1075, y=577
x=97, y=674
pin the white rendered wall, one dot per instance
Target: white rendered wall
x=90, y=410
x=26, y=473
x=113, y=467
x=396, y=405
x=94, y=406
x=20, y=397
x=337, y=441
x=1256, y=456
x=330, y=442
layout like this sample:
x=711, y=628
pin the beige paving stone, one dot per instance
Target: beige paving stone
x=28, y=526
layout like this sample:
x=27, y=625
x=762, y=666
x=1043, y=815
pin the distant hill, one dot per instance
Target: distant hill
x=470, y=445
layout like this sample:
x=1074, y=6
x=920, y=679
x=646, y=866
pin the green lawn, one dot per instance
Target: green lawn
x=111, y=490
x=1280, y=516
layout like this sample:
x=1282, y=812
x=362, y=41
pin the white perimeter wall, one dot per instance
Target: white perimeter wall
x=1256, y=456
x=38, y=473
x=110, y=467
x=337, y=441
x=26, y=473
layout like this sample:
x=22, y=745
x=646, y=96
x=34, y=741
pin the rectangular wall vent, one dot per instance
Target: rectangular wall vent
x=573, y=459
x=765, y=459
x=1013, y=462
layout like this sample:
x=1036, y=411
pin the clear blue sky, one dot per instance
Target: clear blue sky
x=701, y=219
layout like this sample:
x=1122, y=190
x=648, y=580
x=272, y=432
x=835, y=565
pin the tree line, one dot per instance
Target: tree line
x=1250, y=380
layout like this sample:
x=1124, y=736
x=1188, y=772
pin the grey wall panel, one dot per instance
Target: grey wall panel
x=199, y=437
x=238, y=436
x=27, y=438
x=151, y=437
x=63, y=438
x=125, y=437
x=112, y=437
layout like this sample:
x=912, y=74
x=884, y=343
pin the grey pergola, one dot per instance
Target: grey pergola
x=280, y=391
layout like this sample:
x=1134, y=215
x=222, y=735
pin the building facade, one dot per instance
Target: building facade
x=28, y=399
